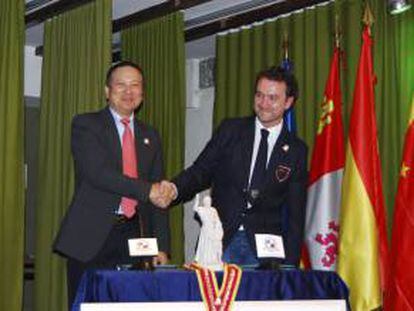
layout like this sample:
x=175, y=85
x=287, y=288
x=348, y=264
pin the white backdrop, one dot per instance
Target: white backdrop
x=198, y=131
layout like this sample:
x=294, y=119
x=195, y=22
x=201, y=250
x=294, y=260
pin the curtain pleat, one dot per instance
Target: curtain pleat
x=11, y=154
x=158, y=47
x=77, y=53
x=243, y=53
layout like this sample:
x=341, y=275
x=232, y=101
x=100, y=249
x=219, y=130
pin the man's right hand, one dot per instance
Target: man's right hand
x=163, y=193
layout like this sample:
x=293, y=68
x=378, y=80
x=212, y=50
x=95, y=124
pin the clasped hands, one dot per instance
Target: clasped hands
x=162, y=193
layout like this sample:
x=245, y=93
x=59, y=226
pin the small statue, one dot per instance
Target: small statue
x=210, y=248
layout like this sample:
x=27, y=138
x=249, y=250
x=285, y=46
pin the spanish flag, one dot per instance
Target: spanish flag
x=363, y=247
x=400, y=288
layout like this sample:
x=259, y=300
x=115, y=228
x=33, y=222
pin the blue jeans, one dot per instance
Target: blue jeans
x=239, y=251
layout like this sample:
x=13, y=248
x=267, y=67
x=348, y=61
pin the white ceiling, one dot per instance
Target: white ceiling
x=195, y=49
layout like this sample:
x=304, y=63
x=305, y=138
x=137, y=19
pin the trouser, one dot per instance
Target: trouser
x=239, y=251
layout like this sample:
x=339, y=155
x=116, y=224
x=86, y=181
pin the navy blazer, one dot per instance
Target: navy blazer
x=224, y=165
x=100, y=185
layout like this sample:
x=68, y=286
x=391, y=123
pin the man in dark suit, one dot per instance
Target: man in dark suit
x=257, y=171
x=118, y=167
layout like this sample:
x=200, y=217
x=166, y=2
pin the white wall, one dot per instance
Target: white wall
x=198, y=130
x=32, y=72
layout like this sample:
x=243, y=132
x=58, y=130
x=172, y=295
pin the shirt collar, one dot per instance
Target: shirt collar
x=274, y=130
x=118, y=118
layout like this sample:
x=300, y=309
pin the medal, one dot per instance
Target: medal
x=215, y=299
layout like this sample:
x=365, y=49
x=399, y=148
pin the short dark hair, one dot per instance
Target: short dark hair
x=277, y=73
x=124, y=63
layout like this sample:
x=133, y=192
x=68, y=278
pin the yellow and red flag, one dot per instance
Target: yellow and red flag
x=363, y=246
x=325, y=178
x=400, y=288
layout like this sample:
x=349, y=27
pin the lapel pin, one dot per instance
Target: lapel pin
x=146, y=141
x=285, y=148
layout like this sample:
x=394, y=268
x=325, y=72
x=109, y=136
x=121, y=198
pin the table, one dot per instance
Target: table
x=280, y=305
x=181, y=285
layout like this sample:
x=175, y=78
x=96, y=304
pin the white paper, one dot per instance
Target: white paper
x=269, y=245
x=143, y=247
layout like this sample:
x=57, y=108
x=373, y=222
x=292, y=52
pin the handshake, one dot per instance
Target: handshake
x=163, y=193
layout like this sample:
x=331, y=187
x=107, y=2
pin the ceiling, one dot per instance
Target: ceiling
x=194, y=16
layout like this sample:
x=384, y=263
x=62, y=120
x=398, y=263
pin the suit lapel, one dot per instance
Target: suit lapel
x=141, y=143
x=247, y=140
x=113, y=137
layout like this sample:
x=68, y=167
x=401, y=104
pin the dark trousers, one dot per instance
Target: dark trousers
x=239, y=251
x=114, y=252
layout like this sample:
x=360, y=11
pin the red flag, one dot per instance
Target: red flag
x=324, y=191
x=363, y=246
x=400, y=290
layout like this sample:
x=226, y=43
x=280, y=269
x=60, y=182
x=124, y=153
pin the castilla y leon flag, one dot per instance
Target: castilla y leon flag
x=325, y=178
x=400, y=288
x=363, y=247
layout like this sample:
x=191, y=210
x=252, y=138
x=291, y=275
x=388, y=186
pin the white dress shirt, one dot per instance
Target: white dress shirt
x=274, y=133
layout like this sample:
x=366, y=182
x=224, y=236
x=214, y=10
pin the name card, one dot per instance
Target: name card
x=143, y=247
x=269, y=246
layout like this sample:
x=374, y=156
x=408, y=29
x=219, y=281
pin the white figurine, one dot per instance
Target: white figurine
x=210, y=248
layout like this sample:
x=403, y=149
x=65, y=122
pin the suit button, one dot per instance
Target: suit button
x=243, y=214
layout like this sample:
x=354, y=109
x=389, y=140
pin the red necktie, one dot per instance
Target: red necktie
x=129, y=166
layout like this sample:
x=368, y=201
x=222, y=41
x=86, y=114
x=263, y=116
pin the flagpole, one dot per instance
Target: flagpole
x=288, y=117
x=285, y=45
x=326, y=171
x=363, y=245
x=401, y=275
x=368, y=17
x=337, y=32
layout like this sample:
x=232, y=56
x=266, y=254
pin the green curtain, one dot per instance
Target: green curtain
x=242, y=54
x=11, y=154
x=77, y=53
x=158, y=47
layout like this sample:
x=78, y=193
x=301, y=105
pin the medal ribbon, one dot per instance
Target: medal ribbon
x=215, y=299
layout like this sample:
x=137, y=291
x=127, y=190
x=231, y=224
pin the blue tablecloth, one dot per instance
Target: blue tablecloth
x=178, y=285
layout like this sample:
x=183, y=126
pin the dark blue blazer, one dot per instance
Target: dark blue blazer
x=100, y=185
x=224, y=165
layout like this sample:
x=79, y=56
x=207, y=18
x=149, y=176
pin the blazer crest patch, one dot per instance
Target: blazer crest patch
x=282, y=173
